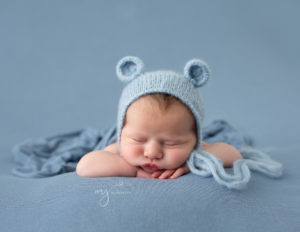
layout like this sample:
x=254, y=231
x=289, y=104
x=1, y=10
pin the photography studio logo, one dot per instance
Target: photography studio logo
x=109, y=189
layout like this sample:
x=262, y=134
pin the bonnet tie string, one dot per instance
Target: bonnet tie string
x=205, y=164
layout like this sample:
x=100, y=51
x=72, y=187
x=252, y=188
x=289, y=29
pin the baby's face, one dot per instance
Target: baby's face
x=153, y=140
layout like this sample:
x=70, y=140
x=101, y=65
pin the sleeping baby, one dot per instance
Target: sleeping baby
x=160, y=117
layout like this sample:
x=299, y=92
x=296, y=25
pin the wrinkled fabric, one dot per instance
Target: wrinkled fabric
x=49, y=156
x=44, y=157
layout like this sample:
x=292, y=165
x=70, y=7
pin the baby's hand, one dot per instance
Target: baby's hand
x=171, y=173
x=142, y=174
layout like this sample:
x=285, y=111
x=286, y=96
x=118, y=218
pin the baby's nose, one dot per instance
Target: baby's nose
x=153, y=150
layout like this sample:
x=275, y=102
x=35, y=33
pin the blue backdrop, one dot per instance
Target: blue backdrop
x=58, y=58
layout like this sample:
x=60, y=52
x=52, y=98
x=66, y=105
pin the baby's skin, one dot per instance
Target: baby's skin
x=154, y=143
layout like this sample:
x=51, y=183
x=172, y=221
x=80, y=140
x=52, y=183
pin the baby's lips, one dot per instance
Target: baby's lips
x=151, y=167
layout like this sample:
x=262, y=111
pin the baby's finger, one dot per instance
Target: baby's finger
x=179, y=172
x=166, y=174
x=156, y=174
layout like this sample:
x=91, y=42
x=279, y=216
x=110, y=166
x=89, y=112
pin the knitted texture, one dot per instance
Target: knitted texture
x=185, y=88
x=205, y=164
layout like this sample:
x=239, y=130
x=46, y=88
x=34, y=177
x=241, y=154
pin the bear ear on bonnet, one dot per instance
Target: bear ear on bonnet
x=197, y=71
x=129, y=67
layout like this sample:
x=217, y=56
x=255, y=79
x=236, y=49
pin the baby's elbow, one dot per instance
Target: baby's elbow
x=233, y=154
x=81, y=169
x=237, y=154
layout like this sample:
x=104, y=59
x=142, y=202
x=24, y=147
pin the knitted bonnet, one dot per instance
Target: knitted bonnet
x=196, y=73
x=185, y=88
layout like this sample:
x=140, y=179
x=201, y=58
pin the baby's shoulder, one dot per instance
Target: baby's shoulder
x=112, y=148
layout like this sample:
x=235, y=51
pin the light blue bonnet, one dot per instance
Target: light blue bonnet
x=185, y=87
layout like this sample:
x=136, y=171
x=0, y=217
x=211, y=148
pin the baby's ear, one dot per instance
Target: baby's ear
x=129, y=67
x=197, y=71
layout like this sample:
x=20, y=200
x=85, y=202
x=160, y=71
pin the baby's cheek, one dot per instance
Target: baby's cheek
x=178, y=157
x=130, y=151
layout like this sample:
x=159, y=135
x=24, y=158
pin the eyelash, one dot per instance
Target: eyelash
x=139, y=140
x=144, y=140
x=170, y=144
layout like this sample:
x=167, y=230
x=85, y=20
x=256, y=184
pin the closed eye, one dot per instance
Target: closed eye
x=139, y=140
x=172, y=143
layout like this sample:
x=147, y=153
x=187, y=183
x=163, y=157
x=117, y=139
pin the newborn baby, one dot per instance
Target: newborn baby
x=158, y=135
x=159, y=125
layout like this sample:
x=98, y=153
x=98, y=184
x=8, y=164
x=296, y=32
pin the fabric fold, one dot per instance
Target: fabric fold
x=54, y=155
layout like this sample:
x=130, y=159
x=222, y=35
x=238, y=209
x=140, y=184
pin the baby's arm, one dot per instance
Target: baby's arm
x=225, y=152
x=103, y=163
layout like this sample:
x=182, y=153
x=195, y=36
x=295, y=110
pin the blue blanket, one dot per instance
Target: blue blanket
x=44, y=157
